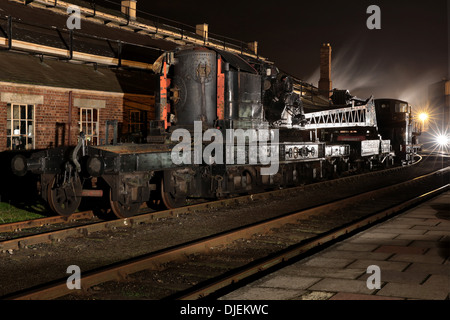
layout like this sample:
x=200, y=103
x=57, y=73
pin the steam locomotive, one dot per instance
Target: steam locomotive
x=225, y=125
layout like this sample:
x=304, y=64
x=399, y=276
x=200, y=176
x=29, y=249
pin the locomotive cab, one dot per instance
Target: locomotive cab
x=395, y=123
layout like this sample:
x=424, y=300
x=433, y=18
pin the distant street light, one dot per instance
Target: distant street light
x=443, y=140
x=423, y=117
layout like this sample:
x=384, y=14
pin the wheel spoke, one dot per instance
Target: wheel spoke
x=64, y=200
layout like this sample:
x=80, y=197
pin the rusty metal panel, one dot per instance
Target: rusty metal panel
x=146, y=162
x=132, y=148
x=245, y=99
x=220, y=90
x=195, y=80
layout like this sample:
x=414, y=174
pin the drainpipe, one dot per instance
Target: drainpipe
x=70, y=118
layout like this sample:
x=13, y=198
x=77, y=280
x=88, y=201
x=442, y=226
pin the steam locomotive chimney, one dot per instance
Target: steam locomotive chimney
x=129, y=8
x=325, y=71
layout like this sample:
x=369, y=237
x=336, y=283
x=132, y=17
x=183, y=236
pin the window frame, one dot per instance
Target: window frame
x=19, y=136
x=90, y=121
x=139, y=124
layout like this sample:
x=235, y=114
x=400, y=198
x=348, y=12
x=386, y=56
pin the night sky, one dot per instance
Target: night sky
x=401, y=60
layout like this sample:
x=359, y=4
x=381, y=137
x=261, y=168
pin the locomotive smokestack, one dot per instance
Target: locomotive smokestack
x=325, y=71
x=129, y=8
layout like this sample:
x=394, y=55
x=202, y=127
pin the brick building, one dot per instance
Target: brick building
x=55, y=83
x=47, y=103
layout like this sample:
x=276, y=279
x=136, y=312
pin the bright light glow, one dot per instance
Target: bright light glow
x=443, y=140
x=439, y=139
x=423, y=116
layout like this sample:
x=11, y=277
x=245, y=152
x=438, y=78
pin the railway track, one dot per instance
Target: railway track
x=42, y=222
x=14, y=236
x=203, y=267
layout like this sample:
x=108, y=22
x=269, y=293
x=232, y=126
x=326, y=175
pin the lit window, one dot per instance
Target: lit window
x=20, y=127
x=89, y=125
x=401, y=107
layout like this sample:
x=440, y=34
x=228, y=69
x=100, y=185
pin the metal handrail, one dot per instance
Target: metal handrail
x=71, y=34
x=172, y=25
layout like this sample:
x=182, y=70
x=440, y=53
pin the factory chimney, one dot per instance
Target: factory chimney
x=325, y=71
x=129, y=9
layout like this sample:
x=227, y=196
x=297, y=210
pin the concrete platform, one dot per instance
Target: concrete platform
x=411, y=250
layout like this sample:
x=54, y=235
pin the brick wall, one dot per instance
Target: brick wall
x=52, y=111
x=325, y=83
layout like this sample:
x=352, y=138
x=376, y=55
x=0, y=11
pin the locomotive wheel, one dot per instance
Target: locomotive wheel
x=64, y=200
x=169, y=200
x=124, y=210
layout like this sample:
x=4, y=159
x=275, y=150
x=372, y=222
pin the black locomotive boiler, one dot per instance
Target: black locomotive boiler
x=219, y=94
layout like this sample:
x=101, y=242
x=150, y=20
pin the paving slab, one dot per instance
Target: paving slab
x=316, y=295
x=257, y=293
x=355, y=296
x=288, y=282
x=431, y=269
x=342, y=285
x=426, y=244
x=439, y=227
x=414, y=291
x=396, y=231
x=320, y=272
x=355, y=255
x=402, y=249
x=384, y=265
x=407, y=277
x=434, y=259
x=347, y=246
x=377, y=235
x=321, y=261
x=429, y=237
x=381, y=242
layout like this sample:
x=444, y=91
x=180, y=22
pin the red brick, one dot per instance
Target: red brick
x=55, y=110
